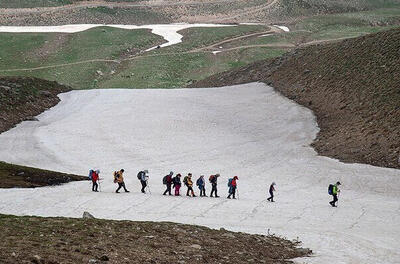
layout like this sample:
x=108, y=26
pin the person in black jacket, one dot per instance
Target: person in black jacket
x=168, y=182
x=213, y=180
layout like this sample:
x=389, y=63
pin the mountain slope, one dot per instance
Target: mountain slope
x=353, y=88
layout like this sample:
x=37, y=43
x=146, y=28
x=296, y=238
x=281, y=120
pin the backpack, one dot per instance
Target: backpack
x=230, y=182
x=90, y=174
x=164, y=180
x=185, y=181
x=198, y=182
x=330, y=189
x=115, y=177
x=139, y=175
x=211, y=178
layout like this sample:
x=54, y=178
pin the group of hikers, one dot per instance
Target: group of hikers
x=175, y=182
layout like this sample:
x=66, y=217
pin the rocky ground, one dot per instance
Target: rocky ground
x=24, y=98
x=67, y=240
x=12, y=176
x=352, y=87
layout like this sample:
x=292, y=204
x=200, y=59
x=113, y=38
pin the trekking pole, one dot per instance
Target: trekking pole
x=99, y=185
x=237, y=190
x=147, y=186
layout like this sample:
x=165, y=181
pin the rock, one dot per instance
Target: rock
x=87, y=215
x=104, y=258
x=13, y=254
x=99, y=72
x=229, y=235
x=222, y=229
x=93, y=261
x=195, y=246
x=21, y=173
x=148, y=236
x=45, y=93
x=31, y=118
x=36, y=259
x=112, y=72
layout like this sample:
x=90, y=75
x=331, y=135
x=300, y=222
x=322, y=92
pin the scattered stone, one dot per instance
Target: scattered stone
x=99, y=72
x=104, y=258
x=196, y=246
x=148, y=236
x=13, y=254
x=22, y=173
x=31, y=118
x=87, y=215
x=229, y=235
x=36, y=259
x=93, y=261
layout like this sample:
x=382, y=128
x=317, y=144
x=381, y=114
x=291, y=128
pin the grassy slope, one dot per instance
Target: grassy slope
x=65, y=240
x=351, y=86
x=165, y=68
x=174, y=67
x=39, y=49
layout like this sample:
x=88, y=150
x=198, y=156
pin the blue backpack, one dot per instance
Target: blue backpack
x=90, y=174
x=330, y=189
x=230, y=182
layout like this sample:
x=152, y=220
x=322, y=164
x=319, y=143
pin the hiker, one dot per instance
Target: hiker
x=213, y=180
x=201, y=183
x=232, y=187
x=143, y=177
x=119, y=178
x=95, y=178
x=333, y=190
x=271, y=192
x=177, y=184
x=167, y=180
x=189, y=184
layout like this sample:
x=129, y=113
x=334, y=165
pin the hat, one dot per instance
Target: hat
x=171, y=172
x=236, y=177
x=146, y=171
x=122, y=170
x=189, y=174
x=217, y=175
x=273, y=183
x=338, y=183
x=97, y=171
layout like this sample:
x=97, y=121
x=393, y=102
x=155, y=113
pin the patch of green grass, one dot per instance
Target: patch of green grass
x=35, y=50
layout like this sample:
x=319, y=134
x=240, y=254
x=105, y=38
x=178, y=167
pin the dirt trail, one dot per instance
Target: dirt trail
x=248, y=12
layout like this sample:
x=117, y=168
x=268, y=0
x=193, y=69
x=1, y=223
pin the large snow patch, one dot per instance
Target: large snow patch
x=247, y=130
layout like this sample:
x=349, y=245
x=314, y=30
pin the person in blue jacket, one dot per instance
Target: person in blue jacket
x=201, y=183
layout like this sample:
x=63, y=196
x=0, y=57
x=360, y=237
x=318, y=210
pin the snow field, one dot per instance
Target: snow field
x=246, y=130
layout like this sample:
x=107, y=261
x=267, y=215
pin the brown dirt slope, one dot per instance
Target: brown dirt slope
x=22, y=99
x=66, y=240
x=352, y=86
x=25, y=177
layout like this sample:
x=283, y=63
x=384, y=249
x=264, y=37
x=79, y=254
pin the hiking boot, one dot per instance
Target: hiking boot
x=127, y=191
x=211, y=196
x=117, y=191
x=216, y=196
x=228, y=197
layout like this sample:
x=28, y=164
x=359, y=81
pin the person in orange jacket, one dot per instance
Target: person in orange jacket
x=119, y=178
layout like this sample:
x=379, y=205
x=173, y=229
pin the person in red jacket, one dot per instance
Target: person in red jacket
x=232, y=187
x=95, y=178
